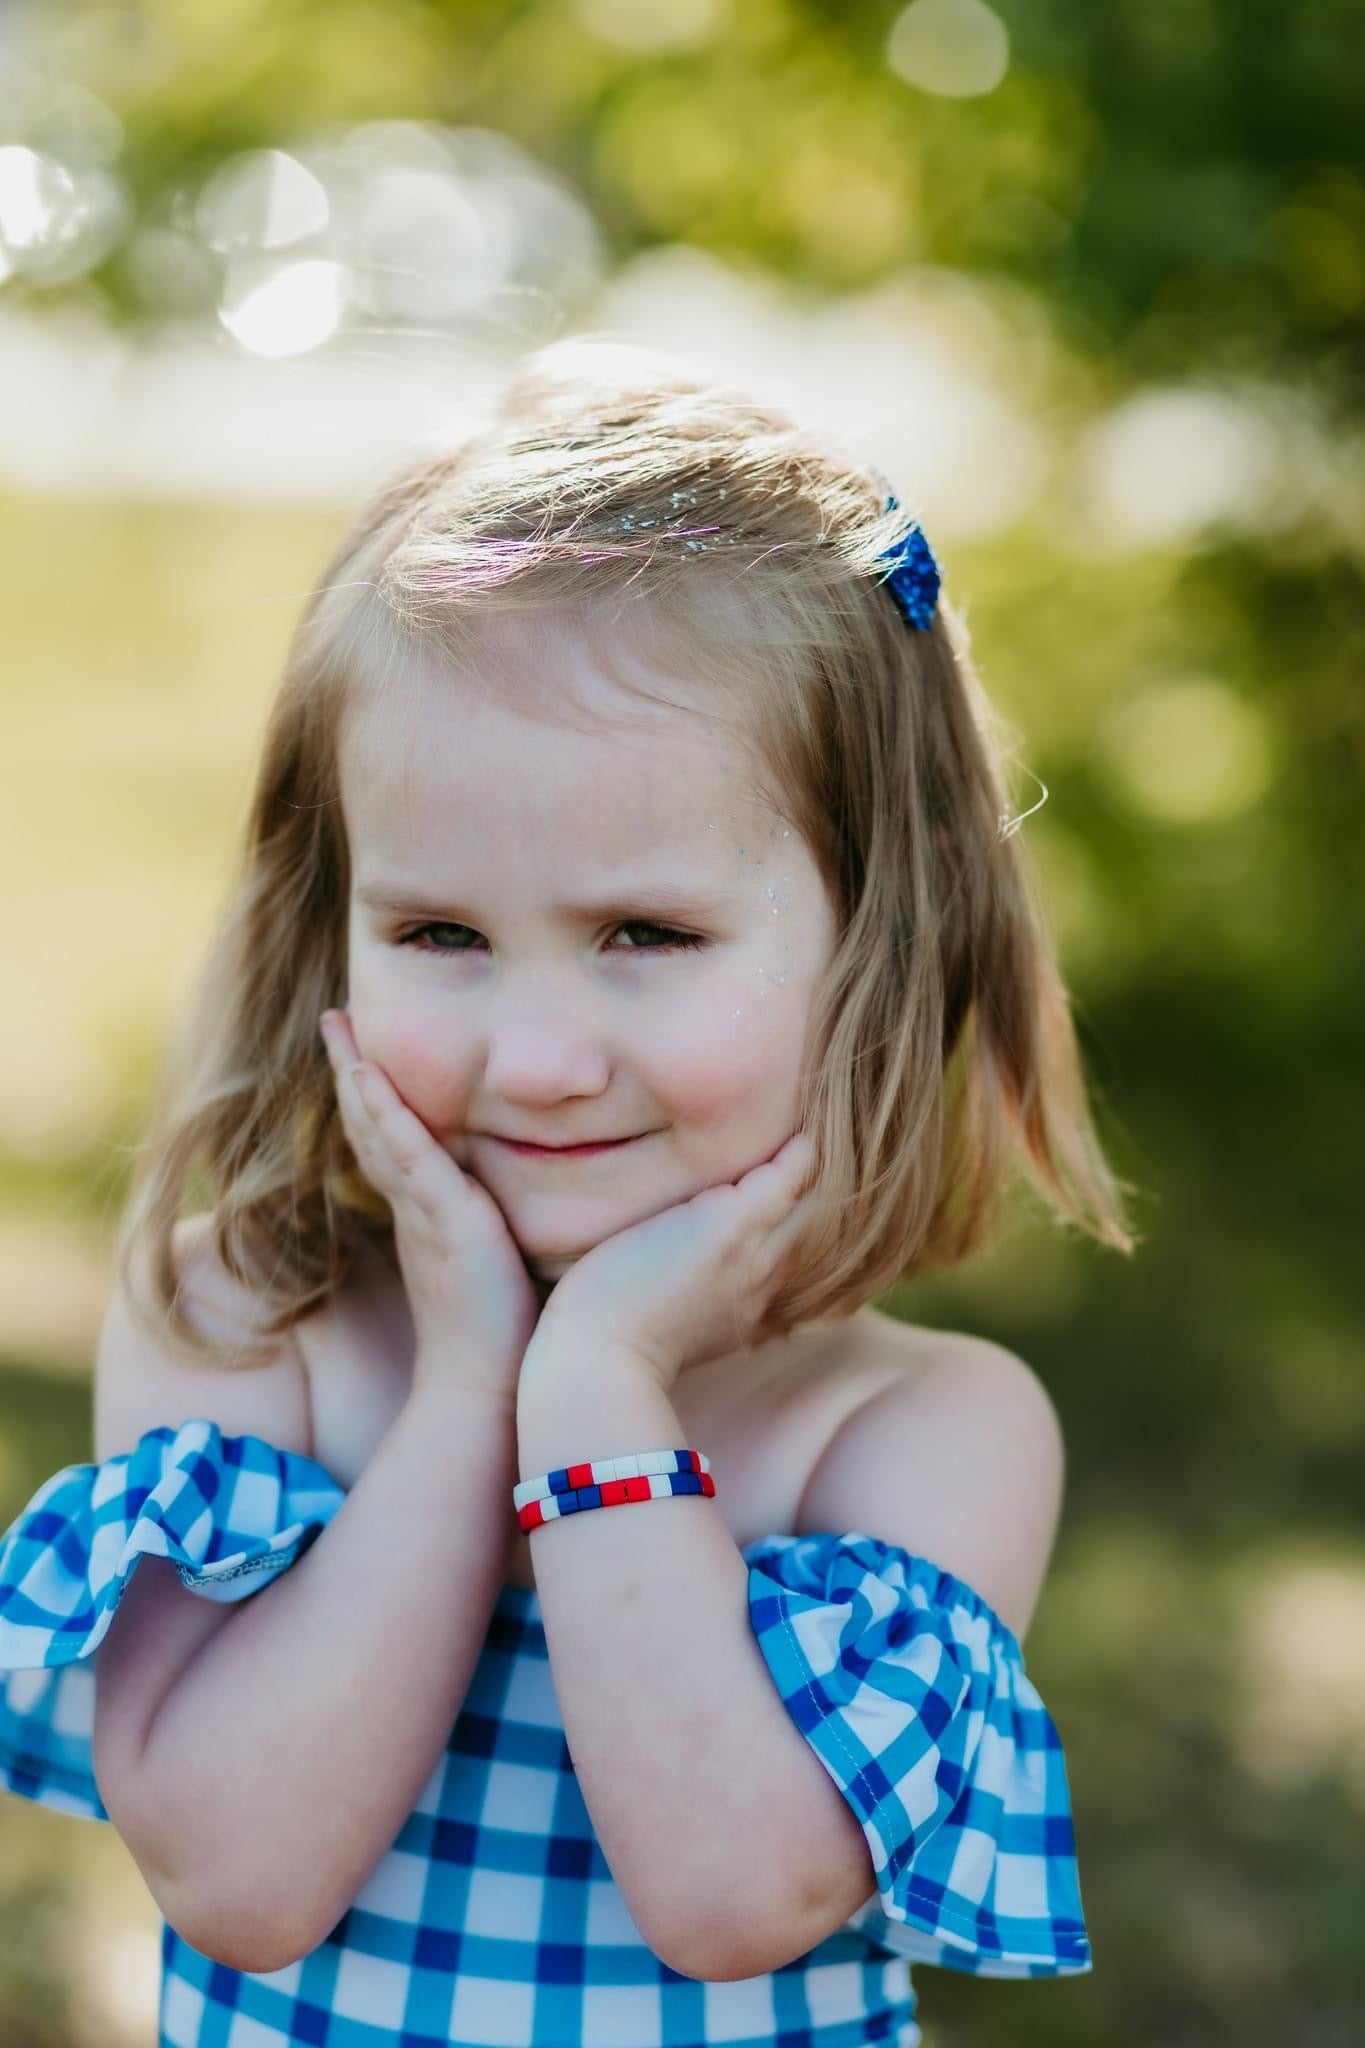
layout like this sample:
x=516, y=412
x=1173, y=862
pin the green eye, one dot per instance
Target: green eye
x=672, y=940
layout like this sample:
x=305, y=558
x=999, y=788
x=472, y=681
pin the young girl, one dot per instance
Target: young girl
x=633, y=970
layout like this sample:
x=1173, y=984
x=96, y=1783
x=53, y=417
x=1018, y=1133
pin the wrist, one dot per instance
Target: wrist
x=580, y=1402
x=562, y=1345
x=435, y=1394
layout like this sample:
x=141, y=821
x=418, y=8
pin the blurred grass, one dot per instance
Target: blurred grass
x=141, y=646
x=1201, y=1642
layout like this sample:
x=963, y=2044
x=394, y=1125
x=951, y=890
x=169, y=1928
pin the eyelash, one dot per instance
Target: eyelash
x=677, y=940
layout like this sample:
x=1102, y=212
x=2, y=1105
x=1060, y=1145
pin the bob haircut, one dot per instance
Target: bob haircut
x=612, y=490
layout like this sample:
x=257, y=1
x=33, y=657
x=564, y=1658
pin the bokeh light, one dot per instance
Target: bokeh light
x=1088, y=284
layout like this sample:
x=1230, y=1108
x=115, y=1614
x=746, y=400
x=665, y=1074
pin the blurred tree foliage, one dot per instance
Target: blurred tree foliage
x=1182, y=179
x=1179, y=183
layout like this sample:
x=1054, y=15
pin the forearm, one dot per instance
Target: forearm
x=285, y=1759
x=678, y=1739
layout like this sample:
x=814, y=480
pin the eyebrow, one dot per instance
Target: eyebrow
x=670, y=899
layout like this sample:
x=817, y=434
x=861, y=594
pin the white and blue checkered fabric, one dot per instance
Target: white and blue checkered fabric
x=911, y=1691
x=493, y=1920
x=228, y=1511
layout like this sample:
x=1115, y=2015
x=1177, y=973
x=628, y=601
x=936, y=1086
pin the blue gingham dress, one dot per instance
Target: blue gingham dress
x=493, y=1921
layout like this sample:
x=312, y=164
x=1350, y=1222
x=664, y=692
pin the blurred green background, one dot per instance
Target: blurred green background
x=1088, y=281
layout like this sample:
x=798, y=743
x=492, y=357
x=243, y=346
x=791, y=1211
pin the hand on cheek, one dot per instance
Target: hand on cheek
x=694, y=1281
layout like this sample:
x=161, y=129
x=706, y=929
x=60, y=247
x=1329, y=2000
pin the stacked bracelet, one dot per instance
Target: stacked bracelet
x=611, y=1483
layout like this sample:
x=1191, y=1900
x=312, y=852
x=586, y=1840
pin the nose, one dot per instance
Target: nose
x=543, y=1044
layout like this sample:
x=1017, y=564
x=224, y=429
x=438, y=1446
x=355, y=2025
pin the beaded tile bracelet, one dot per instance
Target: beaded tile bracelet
x=611, y=1483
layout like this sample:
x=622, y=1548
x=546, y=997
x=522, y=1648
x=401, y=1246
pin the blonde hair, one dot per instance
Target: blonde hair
x=611, y=486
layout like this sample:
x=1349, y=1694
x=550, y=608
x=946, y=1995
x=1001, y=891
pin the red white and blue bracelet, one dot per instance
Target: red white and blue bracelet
x=611, y=1483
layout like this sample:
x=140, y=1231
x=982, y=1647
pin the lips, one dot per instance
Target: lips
x=563, y=1151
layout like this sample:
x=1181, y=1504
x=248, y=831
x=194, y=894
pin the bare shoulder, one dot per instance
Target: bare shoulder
x=951, y=1358
x=915, y=1349
x=144, y=1379
x=956, y=1454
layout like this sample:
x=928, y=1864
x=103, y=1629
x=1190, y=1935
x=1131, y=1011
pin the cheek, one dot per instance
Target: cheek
x=730, y=1062
x=419, y=1058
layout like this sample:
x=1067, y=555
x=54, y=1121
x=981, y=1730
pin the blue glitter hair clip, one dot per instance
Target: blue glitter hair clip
x=913, y=575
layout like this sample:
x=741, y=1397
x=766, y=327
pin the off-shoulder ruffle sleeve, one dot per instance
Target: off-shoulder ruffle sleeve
x=230, y=1512
x=911, y=1691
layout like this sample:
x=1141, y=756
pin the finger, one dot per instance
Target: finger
x=798, y=1160
x=407, y=1139
x=783, y=1178
x=341, y=1055
x=392, y=1143
x=791, y=1221
x=334, y=1028
x=347, y=1069
x=783, y=1236
x=359, y=1082
x=357, y=1120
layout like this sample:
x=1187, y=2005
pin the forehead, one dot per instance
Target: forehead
x=541, y=740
